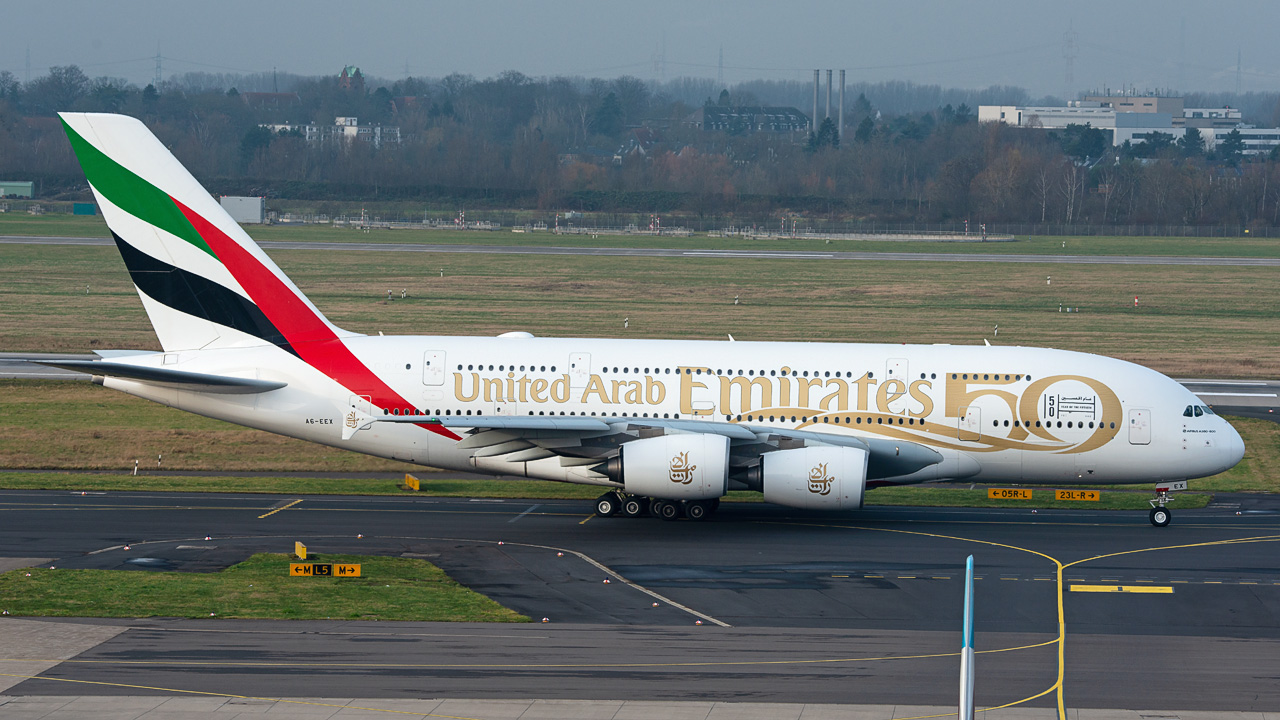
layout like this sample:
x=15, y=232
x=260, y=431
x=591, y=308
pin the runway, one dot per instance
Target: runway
x=840, y=608
x=704, y=253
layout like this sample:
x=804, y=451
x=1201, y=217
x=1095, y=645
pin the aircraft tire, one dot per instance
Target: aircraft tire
x=634, y=506
x=1160, y=517
x=665, y=509
x=608, y=504
x=697, y=509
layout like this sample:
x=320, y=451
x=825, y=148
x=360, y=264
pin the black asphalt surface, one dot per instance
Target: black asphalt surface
x=815, y=604
x=695, y=253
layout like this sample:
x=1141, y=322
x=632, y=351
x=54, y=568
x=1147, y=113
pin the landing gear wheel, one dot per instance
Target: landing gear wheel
x=1160, y=516
x=608, y=504
x=665, y=509
x=698, y=509
x=634, y=506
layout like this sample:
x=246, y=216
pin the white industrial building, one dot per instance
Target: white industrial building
x=1133, y=118
x=345, y=128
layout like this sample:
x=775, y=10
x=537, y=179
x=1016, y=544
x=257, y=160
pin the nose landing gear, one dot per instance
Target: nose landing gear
x=1161, y=515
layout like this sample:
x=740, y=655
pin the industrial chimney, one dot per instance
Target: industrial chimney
x=813, y=119
x=840, y=126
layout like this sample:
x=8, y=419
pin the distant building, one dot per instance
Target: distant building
x=1223, y=117
x=1134, y=119
x=1140, y=103
x=1076, y=112
x=343, y=128
x=351, y=79
x=16, y=188
x=1257, y=141
x=748, y=119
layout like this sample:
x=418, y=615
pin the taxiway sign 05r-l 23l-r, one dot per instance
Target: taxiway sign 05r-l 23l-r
x=665, y=425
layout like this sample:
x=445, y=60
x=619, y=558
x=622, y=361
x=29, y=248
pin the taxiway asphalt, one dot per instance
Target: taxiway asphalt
x=841, y=608
x=407, y=247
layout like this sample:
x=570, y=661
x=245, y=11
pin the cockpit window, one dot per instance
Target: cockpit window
x=1198, y=411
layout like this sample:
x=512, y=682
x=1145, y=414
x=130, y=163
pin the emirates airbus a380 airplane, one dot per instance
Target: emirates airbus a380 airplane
x=664, y=426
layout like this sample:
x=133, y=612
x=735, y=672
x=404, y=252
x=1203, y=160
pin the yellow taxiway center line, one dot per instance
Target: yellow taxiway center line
x=236, y=697
x=584, y=522
x=285, y=507
x=1157, y=589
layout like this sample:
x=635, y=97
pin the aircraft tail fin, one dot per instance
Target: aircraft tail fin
x=203, y=281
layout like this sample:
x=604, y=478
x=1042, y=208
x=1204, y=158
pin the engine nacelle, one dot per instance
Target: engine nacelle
x=673, y=467
x=815, y=478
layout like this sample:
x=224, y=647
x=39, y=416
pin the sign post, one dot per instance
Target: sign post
x=966, y=646
x=324, y=570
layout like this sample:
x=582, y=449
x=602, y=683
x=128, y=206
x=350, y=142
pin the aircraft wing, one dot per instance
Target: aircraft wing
x=588, y=441
x=178, y=379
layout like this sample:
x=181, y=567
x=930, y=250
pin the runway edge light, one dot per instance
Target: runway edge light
x=966, y=649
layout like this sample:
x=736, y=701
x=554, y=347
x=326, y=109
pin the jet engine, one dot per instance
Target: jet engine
x=673, y=467
x=812, y=478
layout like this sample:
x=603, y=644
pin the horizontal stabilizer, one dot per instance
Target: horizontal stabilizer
x=178, y=379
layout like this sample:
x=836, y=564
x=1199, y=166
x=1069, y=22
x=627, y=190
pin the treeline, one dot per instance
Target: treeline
x=908, y=154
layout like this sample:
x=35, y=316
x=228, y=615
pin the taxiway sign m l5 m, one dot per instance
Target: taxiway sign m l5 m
x=810, y=425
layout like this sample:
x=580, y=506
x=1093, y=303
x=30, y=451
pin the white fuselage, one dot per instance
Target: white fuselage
x=994, y=413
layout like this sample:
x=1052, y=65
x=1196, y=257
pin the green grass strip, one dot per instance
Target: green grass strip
x=260, y=587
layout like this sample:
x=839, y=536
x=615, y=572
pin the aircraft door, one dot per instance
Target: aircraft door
x=896, y=369
x=433, y=368
x=579, y=369
x=362, y=403
x=1139, y=426
x=969, y=423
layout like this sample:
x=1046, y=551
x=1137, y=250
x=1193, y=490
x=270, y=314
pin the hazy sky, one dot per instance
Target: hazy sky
x=1184, y=44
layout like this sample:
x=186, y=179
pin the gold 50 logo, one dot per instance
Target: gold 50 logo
x=681, y=470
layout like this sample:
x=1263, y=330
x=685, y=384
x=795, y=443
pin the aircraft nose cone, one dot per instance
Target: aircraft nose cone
x=1234, y=448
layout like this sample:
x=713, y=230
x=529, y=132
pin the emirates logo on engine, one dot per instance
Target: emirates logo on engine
x=681, y=470
x=819, y=480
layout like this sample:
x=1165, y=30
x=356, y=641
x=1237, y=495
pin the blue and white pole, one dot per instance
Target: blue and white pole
x=966, y=649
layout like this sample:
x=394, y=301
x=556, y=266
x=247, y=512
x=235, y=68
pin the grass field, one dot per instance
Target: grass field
x=260, y=587
x=1217, y=322
x=68, y=225
x=1190, y=322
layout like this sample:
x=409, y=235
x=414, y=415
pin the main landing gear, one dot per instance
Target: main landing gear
x=1161, y=515
x=616, y=503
